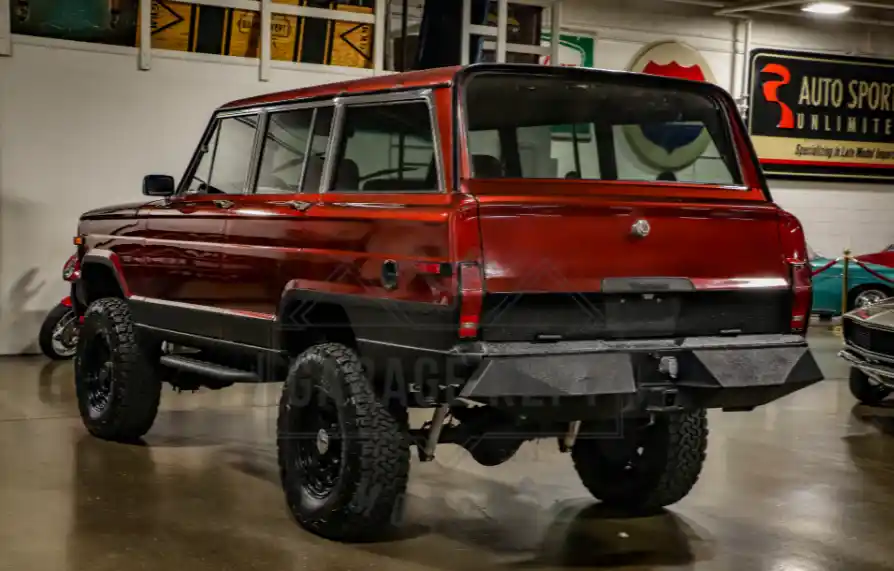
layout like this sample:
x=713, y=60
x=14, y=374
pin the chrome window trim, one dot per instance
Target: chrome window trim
x=307, y=147
x=254, y=163
x=425, y=95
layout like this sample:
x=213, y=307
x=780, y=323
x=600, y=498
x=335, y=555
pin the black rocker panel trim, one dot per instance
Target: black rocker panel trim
x=425, y=326
x=210, y=323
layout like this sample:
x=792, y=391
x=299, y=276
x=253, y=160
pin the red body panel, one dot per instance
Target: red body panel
x=563, y=243
x=883, y=258
x=337, y=246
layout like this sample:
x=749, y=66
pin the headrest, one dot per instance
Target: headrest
x=348, y=176
x=486, y=166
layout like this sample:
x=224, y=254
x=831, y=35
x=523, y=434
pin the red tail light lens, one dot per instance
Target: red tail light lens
x=795, y=255
x=72, y=269
x=471, y=297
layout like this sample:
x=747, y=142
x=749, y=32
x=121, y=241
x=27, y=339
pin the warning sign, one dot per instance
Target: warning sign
x=171, y=25
x=245, y=35
x=353, y=46
x=181, y=26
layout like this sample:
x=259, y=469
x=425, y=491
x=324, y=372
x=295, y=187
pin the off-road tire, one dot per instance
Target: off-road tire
x=45, y=337
x=865, y=391
x=670, y=464
x=366, y=502
x=135, y=385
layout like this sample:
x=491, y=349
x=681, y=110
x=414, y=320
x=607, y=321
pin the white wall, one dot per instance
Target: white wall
x=79, y=129
x=835, y=215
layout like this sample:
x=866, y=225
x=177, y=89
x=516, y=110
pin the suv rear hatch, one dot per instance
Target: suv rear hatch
x=617, y=206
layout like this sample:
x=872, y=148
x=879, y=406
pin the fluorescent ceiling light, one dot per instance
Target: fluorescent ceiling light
x=827, y=8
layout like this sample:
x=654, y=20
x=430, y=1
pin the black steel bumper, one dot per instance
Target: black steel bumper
x=650, y=375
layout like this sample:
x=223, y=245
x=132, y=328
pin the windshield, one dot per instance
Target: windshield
x=813, y=254
x=548, y=127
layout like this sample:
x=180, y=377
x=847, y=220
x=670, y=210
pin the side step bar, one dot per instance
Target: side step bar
x=210, y=370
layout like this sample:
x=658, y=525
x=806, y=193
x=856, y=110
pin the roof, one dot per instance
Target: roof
x=407, y=79
x=445, y=75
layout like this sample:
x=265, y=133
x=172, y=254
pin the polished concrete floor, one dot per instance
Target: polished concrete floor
x=805, y=484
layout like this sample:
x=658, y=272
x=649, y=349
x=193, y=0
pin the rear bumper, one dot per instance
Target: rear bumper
x=651, y=375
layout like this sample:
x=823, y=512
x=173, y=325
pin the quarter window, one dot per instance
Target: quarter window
x=225, y=157
x=387, y=148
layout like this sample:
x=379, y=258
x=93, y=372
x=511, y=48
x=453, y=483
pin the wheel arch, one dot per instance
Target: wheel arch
x=101, y=277
x=307, y=318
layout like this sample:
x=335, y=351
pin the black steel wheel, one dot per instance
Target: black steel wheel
x=318, y=446
x=648, y=467
x=116, y=382
x=343, y=454
x=98, y=374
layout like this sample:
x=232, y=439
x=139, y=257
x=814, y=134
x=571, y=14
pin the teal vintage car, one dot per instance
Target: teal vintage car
x=863, y=288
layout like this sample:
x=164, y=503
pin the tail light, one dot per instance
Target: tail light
x=796, y=258
x=72, y=269
x=471, y=297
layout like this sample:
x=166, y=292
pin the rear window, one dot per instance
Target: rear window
x=548, y=127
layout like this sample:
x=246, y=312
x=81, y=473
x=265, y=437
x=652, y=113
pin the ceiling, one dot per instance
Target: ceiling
x=871, y=12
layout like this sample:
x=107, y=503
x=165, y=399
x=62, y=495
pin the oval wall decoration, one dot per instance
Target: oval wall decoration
x=670, y=147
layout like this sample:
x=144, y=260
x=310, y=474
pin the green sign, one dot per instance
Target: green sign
x=574, y=51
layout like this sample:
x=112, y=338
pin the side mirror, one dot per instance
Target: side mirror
x=158, y=185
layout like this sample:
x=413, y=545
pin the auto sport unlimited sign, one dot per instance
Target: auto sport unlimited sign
x=822, y=116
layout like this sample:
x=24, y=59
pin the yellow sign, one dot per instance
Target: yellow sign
x=171, y=25
x=245, y=35
x=181, y=26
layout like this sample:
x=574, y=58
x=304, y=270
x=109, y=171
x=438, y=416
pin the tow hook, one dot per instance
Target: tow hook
x=669, y=366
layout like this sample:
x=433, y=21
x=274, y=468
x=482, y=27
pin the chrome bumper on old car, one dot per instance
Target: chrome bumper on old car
x=869, y=340
x=700, y=372
x=878, y=367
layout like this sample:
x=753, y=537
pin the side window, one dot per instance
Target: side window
x=225, y=157
x=387, y=148
x=282, y=155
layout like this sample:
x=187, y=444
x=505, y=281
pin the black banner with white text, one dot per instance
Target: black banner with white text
x=825, y=116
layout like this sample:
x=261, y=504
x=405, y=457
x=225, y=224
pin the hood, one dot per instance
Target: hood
x=880, y=314
x=115, y=211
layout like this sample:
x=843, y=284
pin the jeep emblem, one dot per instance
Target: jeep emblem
x=640, y=228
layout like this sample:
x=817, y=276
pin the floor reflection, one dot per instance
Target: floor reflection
x=805, y=484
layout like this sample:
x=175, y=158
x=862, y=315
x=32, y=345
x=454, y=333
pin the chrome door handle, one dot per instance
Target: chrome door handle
x=223, y=203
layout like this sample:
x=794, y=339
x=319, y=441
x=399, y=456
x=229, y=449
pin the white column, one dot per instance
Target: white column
x=465, y=35
x=380, y=30
x=555, y=27
x=5, y=29
x=145, y=55
x=266, y=41
x=502, y=29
